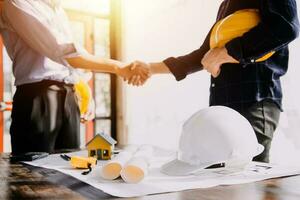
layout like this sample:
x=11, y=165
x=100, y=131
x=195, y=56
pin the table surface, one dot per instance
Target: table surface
x=20, y=181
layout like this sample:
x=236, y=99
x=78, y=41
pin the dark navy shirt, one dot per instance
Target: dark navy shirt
x=240, y=85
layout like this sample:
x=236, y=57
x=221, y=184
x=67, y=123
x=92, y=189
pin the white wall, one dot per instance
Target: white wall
x=286, y=144
x=155, y=30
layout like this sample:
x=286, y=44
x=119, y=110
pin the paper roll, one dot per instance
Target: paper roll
x=111, y=171
x=113, y=168
x=137, y=168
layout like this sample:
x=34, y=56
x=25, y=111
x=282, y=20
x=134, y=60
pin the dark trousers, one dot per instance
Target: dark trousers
x=45, y=118
x=264, y=118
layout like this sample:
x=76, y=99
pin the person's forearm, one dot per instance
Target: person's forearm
x=279, y=26
x=159, y=68
x=94, y=63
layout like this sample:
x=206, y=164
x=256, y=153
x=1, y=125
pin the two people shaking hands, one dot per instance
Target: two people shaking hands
x=138, y=72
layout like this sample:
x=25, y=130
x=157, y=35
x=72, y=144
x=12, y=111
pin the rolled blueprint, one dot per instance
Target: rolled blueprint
x=113, y=168
x=136, y=169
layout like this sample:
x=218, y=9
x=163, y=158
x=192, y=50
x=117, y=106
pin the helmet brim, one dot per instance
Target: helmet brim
x=180, y=168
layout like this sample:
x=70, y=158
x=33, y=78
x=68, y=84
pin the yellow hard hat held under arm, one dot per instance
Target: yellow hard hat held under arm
x=233, y=26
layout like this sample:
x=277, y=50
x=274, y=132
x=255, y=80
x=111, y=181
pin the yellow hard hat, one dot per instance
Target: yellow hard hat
x=233, y=26
x=84, y=95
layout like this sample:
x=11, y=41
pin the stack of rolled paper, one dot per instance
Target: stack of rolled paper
x=131, y=164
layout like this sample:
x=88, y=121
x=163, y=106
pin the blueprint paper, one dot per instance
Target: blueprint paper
x=156, y=182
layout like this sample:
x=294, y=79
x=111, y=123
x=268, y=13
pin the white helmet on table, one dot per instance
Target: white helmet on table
x=212, y=136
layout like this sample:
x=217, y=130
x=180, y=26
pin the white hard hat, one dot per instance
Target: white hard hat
x=212, y=136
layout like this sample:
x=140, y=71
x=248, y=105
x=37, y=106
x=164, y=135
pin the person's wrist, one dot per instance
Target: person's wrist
x=226, y=57
x=117, y=66
x=152, y=68
x=117, y=70
x=158, y=68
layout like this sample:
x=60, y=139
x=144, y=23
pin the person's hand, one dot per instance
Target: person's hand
x=124, y=72
x=90, y=114
x=214, y=59
x=134, y=74
x=140, y=67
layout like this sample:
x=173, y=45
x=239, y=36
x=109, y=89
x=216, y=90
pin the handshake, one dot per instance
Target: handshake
x=136, y=73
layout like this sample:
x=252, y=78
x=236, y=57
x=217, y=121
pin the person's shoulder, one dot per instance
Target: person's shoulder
x=14, y=2
x=15, y=8
x=11, y=5
x=14, y=11
x=28, y=6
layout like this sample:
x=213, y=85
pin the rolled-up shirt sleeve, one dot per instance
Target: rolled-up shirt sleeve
x=279, y=26
x=36, y=34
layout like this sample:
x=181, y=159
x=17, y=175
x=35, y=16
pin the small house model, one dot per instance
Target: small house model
x=101, y=147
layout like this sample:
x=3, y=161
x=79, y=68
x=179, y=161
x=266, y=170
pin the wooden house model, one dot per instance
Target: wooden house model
x=101, y=147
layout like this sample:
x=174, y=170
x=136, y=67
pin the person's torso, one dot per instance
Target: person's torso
x=29, y=65
x=239, y=86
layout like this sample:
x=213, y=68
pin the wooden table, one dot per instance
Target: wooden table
x=18, y=181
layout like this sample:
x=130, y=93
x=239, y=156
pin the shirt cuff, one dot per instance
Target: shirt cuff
x=235, y=49
x=70, y=51
x=176, y=67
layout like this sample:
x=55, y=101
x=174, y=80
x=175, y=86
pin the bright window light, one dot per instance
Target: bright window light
x=91, y=6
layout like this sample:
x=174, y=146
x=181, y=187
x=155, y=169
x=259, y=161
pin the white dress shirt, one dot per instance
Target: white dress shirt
x=38, y=38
